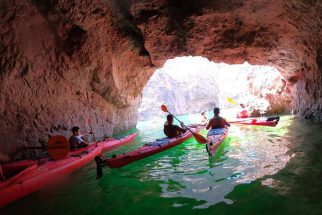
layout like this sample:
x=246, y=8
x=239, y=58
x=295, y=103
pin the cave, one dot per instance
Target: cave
x=67, y=63
x=86, y=63
x=193, y=84
x=77, y=61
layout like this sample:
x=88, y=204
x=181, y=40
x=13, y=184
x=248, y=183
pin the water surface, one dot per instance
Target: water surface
x=257, y=170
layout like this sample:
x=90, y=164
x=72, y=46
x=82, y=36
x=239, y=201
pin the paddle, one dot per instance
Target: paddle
x=231, y=101
x=199, y=138
x=90, y=126
x=57, y=147
x=99, y=171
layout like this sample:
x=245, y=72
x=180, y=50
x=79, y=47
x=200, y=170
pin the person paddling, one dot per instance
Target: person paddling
x=243, y=112
x=171, y=130
x=204, y=119
x=217, y=121
x=76, y=141
x=217, y=132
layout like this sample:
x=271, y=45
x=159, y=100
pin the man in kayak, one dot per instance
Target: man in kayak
x=204, y=119
x=243, y=112
x=218, y=128
x=217, y=121
x=76, y=140
x=171, y=130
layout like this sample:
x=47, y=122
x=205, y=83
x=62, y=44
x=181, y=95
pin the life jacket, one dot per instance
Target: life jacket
x=171, y=130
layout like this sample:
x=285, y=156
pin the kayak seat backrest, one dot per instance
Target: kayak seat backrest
x=216, y=131
x=159, y=142
x=80, y=154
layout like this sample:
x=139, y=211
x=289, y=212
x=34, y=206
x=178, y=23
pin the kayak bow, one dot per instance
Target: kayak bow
x=25, y=177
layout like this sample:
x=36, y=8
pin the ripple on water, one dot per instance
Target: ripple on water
x=254, y=153
x=184, y=177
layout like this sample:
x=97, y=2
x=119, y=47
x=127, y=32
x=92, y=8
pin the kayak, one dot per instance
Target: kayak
x=146, y=150
x=272, y=122
x=30, y=176
x=215, y=138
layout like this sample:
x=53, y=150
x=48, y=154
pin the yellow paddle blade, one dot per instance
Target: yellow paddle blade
x=58, y=147
x=164, y=108
x=199, y=138
x=231, y=101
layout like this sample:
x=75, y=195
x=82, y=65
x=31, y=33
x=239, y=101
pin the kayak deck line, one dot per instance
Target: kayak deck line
x=142, y=152
x=215, y=140
x=270, y=121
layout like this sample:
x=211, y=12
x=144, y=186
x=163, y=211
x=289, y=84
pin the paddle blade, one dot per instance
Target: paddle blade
x=231, y=101
x=199, y=138
x=164, y=108
x=58, y=147
x=99, y=171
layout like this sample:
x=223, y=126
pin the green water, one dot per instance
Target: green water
x=257, y=170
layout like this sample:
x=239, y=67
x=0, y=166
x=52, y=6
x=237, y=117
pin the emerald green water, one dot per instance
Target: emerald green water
x=257, y=170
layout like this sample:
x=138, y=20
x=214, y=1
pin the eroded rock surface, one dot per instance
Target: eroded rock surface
x=194, y=84
x=282, y=34
x=64, y=61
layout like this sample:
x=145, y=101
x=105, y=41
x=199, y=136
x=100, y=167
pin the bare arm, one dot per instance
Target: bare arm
x=179, y=128
x=208, y=124
x=227, y=123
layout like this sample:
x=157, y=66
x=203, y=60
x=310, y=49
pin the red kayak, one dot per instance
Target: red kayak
x=215, y=138
x=144, y=151
x=30, y=176
x=272, y=122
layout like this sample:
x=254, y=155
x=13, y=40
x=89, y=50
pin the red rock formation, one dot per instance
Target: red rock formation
x=283, y=34
x=64, y=61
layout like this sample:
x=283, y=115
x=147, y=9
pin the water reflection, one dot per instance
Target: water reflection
x=248, y=154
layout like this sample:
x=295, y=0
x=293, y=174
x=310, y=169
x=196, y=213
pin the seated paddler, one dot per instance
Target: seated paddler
x=76, y=141
x=171, y=130
x=217, y=121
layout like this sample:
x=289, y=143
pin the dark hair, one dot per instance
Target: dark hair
x=216, y=110
x=202, y=113
x=75, y=129
x=169, y=117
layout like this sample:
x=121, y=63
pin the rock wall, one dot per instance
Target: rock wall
x=64, y=61
x=185, y=85
x=194, y=84
x=284, y=34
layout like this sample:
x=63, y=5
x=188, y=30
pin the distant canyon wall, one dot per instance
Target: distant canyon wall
x=194, y=84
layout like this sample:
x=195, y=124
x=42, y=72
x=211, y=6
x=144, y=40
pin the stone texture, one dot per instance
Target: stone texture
x=185, y=85
x=194, y=84
x=64, y=61
x=283, y=34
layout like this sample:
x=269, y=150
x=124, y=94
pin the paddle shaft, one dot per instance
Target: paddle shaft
x=90, y=126
x=44, y=147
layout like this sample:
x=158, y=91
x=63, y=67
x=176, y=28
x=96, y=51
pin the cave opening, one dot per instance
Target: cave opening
x=193, y=84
